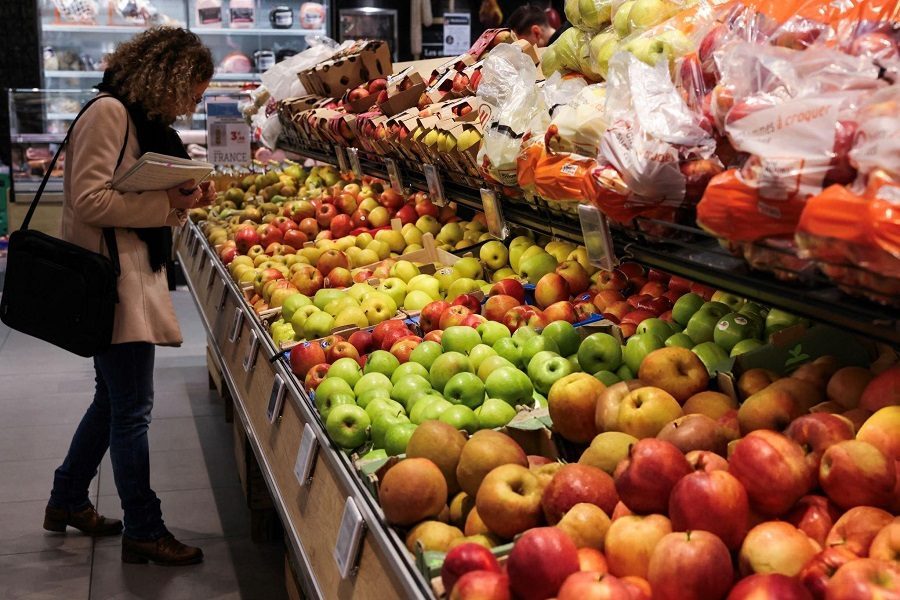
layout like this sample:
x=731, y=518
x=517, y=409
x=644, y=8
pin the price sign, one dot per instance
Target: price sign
x=306, y=456
x=227, y=134
x=353, y=154
x=236, y=325
x=349, y=542
x=394, y=175
x=276, y=399
x=343, y=165
x=250, y=359
x=435, y=187
x=597, y=237
x=493, y=214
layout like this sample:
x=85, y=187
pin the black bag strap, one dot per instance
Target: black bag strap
x=109, y=233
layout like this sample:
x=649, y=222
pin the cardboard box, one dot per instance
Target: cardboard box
x=401, y=100
x=370, y=60
x=490, y=38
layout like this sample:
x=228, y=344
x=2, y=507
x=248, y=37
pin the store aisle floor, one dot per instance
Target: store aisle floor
x=43, y=393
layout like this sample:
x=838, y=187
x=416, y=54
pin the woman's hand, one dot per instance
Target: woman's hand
x=208, y=188
x=185, y=196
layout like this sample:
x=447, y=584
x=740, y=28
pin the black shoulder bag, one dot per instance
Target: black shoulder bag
x=57, y=291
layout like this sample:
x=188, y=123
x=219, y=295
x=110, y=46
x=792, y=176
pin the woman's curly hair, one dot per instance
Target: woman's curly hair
x=158, y=70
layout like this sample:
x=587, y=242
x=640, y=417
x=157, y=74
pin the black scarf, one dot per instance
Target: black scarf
x=153, y=136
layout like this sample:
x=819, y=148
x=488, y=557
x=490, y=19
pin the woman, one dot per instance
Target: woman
x=149, y=81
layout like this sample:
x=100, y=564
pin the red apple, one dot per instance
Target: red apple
x=630, y=541
x=704, y=291
x=403, y=347
x=632, y=269
x=453, y=315
x=610, y=280
x=694, y=565
x=466, y=558
x=591, y=559
x=706, y=461
x=426, y=207
x=498, y=305
x=473, y=320
x=882, y=391
x=575, y=276
x=856, y=529
x=817, y=432
x=815, y=516
x=776, y=547
x=430, y=317
x=245, y=238
x=855, y=473
x=470, y=301
x=316, y=375
x=519, y=316
x=341, y=350
x=324, y=215
x=865, y=578
x=539, y=563
x=308, y=280
x=295, y=238
x=551, y=288
x=394, y=335
x=562, y=311
x=575, y=483
x=618, y=309
x=769, y=586
x=338, y=277
x=380, y=331
x=605, y=298
x=653, y=288
x=341, y=225
x=644, y=480
x=362, y=341
x=679, y=284
x=332, y=259
x=773, y=469
x=304, y=357
x=592, y=585
x=714, y=502
x=481, y=585
x=817, y=573
x=434, y=336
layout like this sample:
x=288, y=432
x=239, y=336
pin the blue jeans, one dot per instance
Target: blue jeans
x=118, y=419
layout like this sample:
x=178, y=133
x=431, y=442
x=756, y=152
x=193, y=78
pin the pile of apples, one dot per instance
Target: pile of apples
x=682, y=492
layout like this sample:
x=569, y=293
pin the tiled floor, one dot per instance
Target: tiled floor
x=43, y=393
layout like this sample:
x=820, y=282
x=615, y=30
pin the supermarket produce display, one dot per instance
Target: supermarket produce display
x=451, y=400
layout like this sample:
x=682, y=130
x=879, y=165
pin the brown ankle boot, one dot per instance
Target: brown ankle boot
x=165, y=551
x=88, y=521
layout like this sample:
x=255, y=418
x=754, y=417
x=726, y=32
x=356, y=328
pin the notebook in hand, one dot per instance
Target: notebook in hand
x=154, y=172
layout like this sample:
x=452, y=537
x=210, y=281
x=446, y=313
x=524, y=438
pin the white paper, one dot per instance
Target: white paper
x=153, y=172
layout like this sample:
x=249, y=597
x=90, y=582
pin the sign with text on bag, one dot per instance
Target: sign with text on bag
x=227, y=134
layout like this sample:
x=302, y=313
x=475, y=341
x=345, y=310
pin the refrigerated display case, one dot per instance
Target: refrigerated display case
x=246, y=36
x=369, y=23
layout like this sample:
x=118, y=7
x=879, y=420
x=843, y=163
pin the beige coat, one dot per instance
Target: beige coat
x=144, y=312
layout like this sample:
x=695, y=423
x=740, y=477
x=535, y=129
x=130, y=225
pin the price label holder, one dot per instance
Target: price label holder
x=435, y=187
x=306, y=456
x=195, y=245
x=276, y=399
x=353, y=154
x=212, y=274
x=235, y=332
x=597, y=237
x=493, y=213
x=343, y=165
x=349, y=542
x=250, y=359
x=394, y=175
x=224, y=298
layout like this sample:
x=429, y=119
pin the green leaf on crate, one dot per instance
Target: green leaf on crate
x=370, y=467
x=532, y=420
x=796, y=355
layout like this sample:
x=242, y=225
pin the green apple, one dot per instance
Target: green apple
x=378, y=307
x=416, y=300
x=384, y=423
x=491, y=331
x=351, y=316
x=468, y=267
x=647, y=13
x=734, y=327
x=326, y=295
x=292, y=303
x=381, y=361
x=426, y=353
x=735, y=303
x=681, y=340
x=607, y=378
x=446, y=366
x=459, y=338
x=298, y=319
x=546, y=368
x=600, y=352
x=404, y=269
x=380, y=405
x=395, y=288
x=370, y=381
x=539, y=400
x=348, y=425
x=744, y=346
x=490, y=364
x=445, y=276
x=702, y=325
x=501, y=274
x=639, y=346
x=565, y=335
x=460, y=286
x=451, y=233
x=407, y=369
x=751, y=308
x=330, y=386
x=495, y=255
x=433, y=410
x=511, y=349
x=523, y=333
x=397, y=438
x=425, y=283
x=494, y=413
x=422, y=396
x=538, y=343
x=510, y=385
x=621, y=24
x=656, y=326
x=326, y=405
x=778, y=319
x=516, y=248
x=358, y=291
x=408, y=387
x=478, y=354
x=535, y=267
x=318, y=325
x=685, y=307
x=624, y=373
x=573, y=360
x=713, y=356
x=465, y=388
x=336, y=306
x=281, y=332
x=347, y=369
x=369, y=395
x=461, y=417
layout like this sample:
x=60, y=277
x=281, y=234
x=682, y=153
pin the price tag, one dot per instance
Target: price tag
x=353, y=154
x=306, y=456
x=349, y=542
x=493, y=213
x=343, y=166
x=435, y=187
x=236, y=325
x=276, y=399
x=394, y=175
x=597, y=237
x=227, y=133
x=250, y=359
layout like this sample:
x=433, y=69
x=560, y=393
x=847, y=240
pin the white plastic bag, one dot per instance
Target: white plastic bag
x=281, y=79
